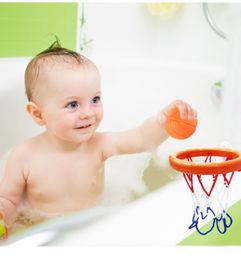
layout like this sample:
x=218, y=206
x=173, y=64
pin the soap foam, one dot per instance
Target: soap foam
x=123, y=178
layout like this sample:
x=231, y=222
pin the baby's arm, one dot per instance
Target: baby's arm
x=148, y=135
x=12, y=185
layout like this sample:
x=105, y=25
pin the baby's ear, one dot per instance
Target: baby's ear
x=35, y=112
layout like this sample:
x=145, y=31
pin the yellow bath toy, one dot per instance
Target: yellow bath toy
x=3, y=228
x=164, y=10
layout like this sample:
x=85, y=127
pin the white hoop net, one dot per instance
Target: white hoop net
x=210, y=198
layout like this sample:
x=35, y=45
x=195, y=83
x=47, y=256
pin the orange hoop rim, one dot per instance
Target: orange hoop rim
x=233, y=162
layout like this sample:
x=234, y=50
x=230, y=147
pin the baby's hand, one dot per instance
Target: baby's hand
x=179, y=119
x=186, y=111
x=3, y=228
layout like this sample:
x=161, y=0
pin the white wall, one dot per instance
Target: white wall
x=129, y=30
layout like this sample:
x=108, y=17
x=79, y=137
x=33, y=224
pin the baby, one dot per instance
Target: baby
x=62, y=169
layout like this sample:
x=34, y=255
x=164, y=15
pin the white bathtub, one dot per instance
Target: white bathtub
x=132, y=90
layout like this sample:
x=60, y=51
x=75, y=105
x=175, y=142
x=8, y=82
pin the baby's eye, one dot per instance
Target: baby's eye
x=72, y=104
x=96, y=99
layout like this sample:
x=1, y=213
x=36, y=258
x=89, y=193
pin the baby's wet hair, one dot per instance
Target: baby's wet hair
x=53, y=55
x=56, y=49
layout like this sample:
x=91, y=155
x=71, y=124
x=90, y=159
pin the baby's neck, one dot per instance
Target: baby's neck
x=60, y=145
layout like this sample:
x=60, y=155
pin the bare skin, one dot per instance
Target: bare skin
x=62, y=169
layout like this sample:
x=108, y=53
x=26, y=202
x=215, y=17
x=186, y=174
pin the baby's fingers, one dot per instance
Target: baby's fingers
x=186, y=111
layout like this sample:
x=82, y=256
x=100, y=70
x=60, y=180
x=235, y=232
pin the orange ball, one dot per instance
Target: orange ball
x=177, y=127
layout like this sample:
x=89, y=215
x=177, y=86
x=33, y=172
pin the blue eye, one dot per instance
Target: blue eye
x=96, y=99
x=72, y=104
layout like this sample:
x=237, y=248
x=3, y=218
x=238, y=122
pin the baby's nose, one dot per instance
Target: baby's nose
x=86, y=113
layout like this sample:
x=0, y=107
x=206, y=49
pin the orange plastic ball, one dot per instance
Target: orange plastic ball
x=179, y=128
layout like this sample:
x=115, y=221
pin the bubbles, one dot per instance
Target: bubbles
x=123, y=178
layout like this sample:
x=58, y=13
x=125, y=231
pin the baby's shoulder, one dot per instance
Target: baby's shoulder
x=22, y=151
x=104, y=142
x=100, y=138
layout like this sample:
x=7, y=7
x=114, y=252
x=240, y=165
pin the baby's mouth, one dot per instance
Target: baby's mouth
x=84, y=126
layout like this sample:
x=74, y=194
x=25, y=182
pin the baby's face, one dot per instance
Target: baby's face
x=71, y=102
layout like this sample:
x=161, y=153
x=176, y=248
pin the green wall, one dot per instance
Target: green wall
x=28, y=28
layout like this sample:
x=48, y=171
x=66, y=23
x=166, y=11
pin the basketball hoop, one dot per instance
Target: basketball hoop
x=208, y=174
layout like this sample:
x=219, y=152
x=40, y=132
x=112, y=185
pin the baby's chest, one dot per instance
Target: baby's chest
x=65, y=179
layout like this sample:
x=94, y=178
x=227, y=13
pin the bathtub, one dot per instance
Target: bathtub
x=146, y=202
